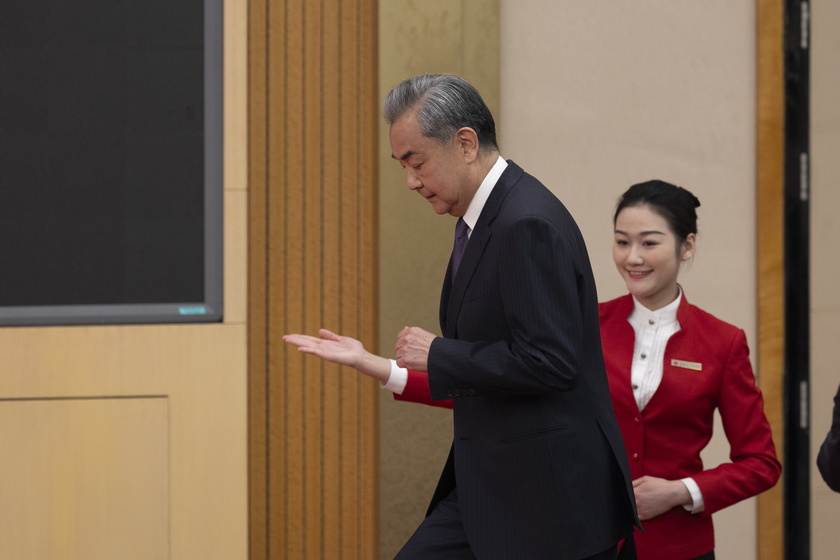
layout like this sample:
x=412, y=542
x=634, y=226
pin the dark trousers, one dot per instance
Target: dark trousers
x=441, y=536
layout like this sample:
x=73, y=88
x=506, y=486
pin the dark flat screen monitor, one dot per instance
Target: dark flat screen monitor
x=110, y=161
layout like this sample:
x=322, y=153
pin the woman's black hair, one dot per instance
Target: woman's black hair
x=676, y=204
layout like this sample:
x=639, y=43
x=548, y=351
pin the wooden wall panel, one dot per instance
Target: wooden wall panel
x=770, y=222
x=175, y=394
x=313, y=146
x=89, y=479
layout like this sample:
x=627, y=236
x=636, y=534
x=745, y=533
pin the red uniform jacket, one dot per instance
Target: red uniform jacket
x=706, y=367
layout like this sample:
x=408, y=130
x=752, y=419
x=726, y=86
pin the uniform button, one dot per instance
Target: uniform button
x=635, y=456
x=651, y=322
x=644, y=356
x=635, y=387
x=637, y=421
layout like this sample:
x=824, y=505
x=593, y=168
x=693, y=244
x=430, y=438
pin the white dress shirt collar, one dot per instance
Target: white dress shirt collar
x=483, y=192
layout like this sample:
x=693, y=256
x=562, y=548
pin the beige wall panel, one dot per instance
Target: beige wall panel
x=200, y=369
x=85, y=479
x=235, y=256
x=236, y=161
x=439, y=36
x=825, y=231
x=597, y=96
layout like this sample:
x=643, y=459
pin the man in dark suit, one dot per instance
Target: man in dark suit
x=538, y=468
x=828, y=459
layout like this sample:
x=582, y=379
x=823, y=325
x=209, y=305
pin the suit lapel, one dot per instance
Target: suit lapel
x=453, y=293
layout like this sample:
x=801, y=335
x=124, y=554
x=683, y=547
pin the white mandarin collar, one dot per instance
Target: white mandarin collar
x=664, y=316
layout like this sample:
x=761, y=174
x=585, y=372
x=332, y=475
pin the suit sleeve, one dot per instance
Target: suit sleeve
x=754, y=467
x=417, y=390
x=523, y=332
x=828, y=459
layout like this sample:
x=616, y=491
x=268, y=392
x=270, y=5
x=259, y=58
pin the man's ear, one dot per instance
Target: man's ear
x=466, y=141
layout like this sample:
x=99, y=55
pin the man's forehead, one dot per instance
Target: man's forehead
x=406, y=139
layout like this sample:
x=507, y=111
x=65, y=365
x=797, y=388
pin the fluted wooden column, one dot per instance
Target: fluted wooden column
x=312, y=232
x=770, y=251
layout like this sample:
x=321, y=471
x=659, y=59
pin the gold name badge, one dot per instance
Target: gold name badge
x=687, y=365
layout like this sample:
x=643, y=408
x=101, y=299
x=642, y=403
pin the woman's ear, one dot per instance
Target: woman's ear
x=688, y=247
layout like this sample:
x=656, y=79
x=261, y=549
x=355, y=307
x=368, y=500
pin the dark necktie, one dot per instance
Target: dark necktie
x=461, y=238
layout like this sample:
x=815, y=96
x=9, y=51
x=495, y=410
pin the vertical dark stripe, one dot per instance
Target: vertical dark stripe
x=267, y=278
x=340, y=187
x=797, y=281
x=283, y=191
x=360, y=194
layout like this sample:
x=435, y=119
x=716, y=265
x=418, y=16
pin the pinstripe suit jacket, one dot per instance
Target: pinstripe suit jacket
x=537, y=458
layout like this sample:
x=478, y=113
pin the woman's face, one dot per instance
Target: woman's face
x=647, y=257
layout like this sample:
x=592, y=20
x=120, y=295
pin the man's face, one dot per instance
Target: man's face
x=438, y=173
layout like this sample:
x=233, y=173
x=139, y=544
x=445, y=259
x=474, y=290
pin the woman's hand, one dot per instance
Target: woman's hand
x=655, y=496
x=342, y=350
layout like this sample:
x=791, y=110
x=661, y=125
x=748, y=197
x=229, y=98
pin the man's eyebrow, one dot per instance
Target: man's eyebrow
x=406, y=155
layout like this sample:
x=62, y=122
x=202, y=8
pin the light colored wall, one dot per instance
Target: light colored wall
x=598, y=95
x=825, y=231
x=130, y=441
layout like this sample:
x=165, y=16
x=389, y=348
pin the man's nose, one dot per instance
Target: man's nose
x=412, y=181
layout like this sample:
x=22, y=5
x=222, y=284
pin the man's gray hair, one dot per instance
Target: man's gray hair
x=444, y=104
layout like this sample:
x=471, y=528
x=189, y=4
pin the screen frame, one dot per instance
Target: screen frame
x=211, y=309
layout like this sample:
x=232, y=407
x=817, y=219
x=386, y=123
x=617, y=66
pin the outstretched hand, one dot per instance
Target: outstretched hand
x=342, y=350
x=330, y=346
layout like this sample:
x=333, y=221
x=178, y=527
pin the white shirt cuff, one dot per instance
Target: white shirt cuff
x=696, y=496
x=397, y=380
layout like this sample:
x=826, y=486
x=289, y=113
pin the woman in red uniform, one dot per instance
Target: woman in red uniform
x=670, y=365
